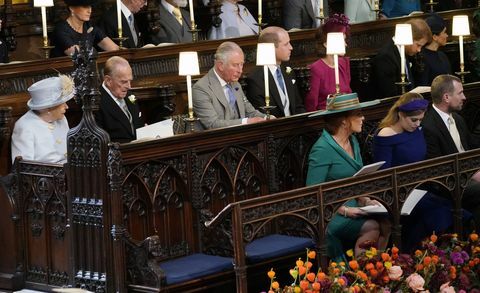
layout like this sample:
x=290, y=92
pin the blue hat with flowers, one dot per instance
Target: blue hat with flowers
x=51, y=92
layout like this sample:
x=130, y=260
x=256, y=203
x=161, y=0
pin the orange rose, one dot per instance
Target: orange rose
x=353, y=265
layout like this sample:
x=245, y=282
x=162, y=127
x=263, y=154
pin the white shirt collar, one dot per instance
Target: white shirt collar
x=125, y=10
x=443, y=115
x=222, y=82
x=117, y=100
x=168, y=6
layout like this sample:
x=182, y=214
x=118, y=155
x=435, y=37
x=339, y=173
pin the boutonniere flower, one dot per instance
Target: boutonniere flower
x=132, y=99
x=288, y=69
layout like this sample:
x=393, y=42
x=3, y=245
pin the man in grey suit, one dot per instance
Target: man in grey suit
x=218, y=98
x=174, y=23
x=303, y=14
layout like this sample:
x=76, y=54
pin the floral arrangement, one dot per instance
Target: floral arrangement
x=442, y=264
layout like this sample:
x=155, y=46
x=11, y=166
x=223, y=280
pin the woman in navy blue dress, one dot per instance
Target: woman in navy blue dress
x=400, y=141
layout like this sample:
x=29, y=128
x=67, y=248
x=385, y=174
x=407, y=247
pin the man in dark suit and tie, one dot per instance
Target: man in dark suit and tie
x=175, y=23
x=445, y=131
x=386, y=64
x=118, y=114
x=284, y=94
x=218, y=98
x=302, y=14
x=109, y=23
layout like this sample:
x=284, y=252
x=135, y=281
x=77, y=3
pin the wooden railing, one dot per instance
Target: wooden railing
x=316, y=205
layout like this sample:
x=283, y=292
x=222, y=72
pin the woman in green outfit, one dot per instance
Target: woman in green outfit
x=336, y=155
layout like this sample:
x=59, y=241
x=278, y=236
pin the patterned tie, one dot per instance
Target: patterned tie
x=454, y=133
x=178, y=15
x=232, y=100
x=131, y=23
x=124, y=107
x=280, y=81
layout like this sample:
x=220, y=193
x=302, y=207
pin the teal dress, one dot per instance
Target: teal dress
x=327, y=162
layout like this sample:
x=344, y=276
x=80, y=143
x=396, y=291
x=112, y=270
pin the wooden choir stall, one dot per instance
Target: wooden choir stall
x=207, y=211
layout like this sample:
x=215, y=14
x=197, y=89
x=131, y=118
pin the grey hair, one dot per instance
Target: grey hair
x=225, y=50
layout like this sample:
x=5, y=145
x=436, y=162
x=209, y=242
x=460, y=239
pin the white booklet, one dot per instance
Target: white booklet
x=421, y=89
x=374, y=209
x=160, y=129
x=412, y=199
x=369, y=168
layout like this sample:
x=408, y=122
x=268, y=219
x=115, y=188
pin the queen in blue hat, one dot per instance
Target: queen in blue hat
x=41, y=133
x=336, y=155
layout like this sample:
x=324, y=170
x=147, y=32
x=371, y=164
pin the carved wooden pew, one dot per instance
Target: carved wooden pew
x=108, y=189
x=316, y=205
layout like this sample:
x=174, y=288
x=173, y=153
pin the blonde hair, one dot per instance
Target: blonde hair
x=392, y=116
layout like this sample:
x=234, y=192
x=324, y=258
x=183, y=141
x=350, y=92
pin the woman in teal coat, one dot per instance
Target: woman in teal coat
x=336, y=155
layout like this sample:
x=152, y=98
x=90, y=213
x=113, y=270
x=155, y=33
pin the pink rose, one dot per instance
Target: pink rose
x=415, y=282
x=394, y=273
x=446, y=288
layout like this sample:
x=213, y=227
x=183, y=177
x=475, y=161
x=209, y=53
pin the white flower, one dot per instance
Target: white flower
x=288, y=69
x=132, y=99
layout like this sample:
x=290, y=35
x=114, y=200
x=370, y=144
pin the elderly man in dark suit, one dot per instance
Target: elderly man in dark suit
x=284, y=94
x=109, y=22
x=118, y=114
x=218, y=98
x=174, y=23
x=303, y=14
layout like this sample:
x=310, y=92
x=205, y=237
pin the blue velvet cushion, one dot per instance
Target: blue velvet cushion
x=194, y=266
x=275, y=245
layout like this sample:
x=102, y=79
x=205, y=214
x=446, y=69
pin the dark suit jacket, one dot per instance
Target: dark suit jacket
x=108, y=23
x=438, y=138
x=386, y=72
x=300, y=14
x=170, y=30
x=256, y=92
x=111, y=118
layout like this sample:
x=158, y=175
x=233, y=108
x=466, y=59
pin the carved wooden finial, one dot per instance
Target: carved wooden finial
x=86, y=76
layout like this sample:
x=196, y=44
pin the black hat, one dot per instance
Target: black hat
x=436, y=23
x=80, y=2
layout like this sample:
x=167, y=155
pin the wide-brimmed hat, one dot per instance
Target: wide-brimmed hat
x=50, y=92
x=80, y=2
x=342, y=103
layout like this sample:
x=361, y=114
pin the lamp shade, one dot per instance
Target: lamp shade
x=460, y=25
x=188, y=64
x=403, y=34
x=335, y=43
x=42, y=3
x=266, y=54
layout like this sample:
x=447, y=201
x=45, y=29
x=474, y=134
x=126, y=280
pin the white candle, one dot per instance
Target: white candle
x=267, y=91
x=189, y=93
x=335, y=64
x=321, y=5
x=376, y=5
x=44, y=21
x=192, y=18
x=119, y=15
x=259, y=7
x=402, y=59
x=460, y=41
